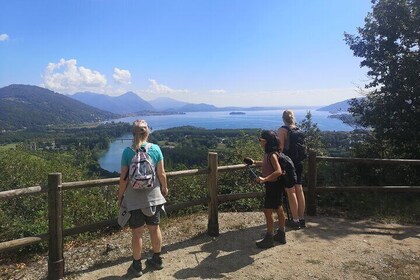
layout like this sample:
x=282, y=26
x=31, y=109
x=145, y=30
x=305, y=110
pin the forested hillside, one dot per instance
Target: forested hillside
x=25, y=106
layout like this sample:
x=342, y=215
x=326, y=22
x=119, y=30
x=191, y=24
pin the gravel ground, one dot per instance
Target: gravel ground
x=329, y=248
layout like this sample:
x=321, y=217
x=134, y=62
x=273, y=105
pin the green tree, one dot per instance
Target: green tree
x=389, y=46
x=312, y=134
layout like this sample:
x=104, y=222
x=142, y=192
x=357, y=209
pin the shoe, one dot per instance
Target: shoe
x=135, y=268
x=267, y=242
x=302, y=223
x=155, y=262
x=292, y=224
x=280, y=236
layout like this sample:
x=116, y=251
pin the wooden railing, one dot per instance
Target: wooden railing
x=56, y=187
x=313, y=189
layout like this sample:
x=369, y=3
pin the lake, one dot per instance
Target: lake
x=211, y=120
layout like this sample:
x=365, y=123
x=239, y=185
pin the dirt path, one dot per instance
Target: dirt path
x=330, y=248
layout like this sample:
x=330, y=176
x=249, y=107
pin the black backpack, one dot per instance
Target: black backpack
x=295, y=146
x=289, y=179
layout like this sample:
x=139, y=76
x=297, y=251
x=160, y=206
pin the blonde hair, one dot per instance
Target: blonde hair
x=140, y=133
x=288, y=117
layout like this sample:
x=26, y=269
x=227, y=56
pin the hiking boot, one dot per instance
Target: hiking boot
x=155, y=262
x=292, y=224
x=135, y=268
x=280, y=236
x=267, y=242
x=302, y=223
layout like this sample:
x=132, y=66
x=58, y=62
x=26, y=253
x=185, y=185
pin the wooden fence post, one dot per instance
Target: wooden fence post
x=312, y=183
x=55, y=225
x=213, y=223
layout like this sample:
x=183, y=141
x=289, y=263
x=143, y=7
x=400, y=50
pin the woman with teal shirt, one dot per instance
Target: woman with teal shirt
x=144, y=205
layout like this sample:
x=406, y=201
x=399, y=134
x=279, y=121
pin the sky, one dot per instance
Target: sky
x=220, y=52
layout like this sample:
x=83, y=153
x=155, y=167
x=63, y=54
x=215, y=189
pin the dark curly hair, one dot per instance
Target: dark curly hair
x=272, y=141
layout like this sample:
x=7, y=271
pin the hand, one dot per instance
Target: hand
x=119, y=201
x=164, y=191
x=260, y=180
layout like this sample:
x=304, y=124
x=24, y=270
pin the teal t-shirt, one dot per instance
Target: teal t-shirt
x=136, y=199
x=154, y=152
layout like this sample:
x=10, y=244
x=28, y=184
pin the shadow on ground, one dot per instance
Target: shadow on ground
x=239, y=245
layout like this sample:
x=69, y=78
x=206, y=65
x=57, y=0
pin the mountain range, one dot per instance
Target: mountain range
x=127, y=103
x=130, y=104
x=337, y=108
x=23, y=106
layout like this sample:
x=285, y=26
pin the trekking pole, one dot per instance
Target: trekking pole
x=249, y=161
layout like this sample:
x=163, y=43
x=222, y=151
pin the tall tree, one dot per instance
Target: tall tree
x=312, y=133
x=389, y=46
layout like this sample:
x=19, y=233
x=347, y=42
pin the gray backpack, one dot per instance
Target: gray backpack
x=141, y=173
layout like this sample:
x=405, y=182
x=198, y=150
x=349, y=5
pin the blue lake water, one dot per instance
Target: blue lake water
x=211, y=120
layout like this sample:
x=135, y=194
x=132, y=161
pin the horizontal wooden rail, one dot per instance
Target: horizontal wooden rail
x=370, y=188
x=26, y=241
x=22, y=242
x=237, y=196
x=14, y=244
x=190, y=172
x=89, y=183
x=228, y=168
x=21, y=192
x=370, y=160
x=183, y=205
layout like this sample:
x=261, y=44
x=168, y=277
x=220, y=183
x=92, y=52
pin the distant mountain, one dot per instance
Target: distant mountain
x=202, y=107
x=339, y=107
x=28, y=106
x=127, y=103
x=166, y=103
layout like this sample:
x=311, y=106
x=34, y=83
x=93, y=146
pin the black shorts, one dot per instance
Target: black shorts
x=138, y=219
x=273, y=195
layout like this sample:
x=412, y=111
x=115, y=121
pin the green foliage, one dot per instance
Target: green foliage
x=186, y=149
x=389, y=46
x=190, y=145
x=22, y=168
x=184, y=189
x=24, y=106
x=312, y=134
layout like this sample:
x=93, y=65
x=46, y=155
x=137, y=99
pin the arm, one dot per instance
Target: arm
x=277, y=171
x=162, y=177
x=123, y=184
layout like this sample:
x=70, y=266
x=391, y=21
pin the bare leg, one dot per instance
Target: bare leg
x=156, y=238
x=281, y=217
x=301, y=201
x=137, y=242
x=269, y=220
x=293, y=202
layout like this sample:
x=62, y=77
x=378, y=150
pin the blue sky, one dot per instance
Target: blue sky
x=244, y=53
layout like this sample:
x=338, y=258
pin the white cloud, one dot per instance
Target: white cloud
x=4, y=37
x=66, y=77
x=122, y=76
x=154, y=87
x=216, y=91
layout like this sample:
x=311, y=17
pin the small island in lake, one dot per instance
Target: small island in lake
x=236, y=113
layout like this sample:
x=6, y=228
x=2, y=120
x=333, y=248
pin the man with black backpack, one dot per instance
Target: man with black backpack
x=292, y=143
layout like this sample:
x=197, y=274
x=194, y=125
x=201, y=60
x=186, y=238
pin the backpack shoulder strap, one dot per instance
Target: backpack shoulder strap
x=285, y=127
x=147, y=146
